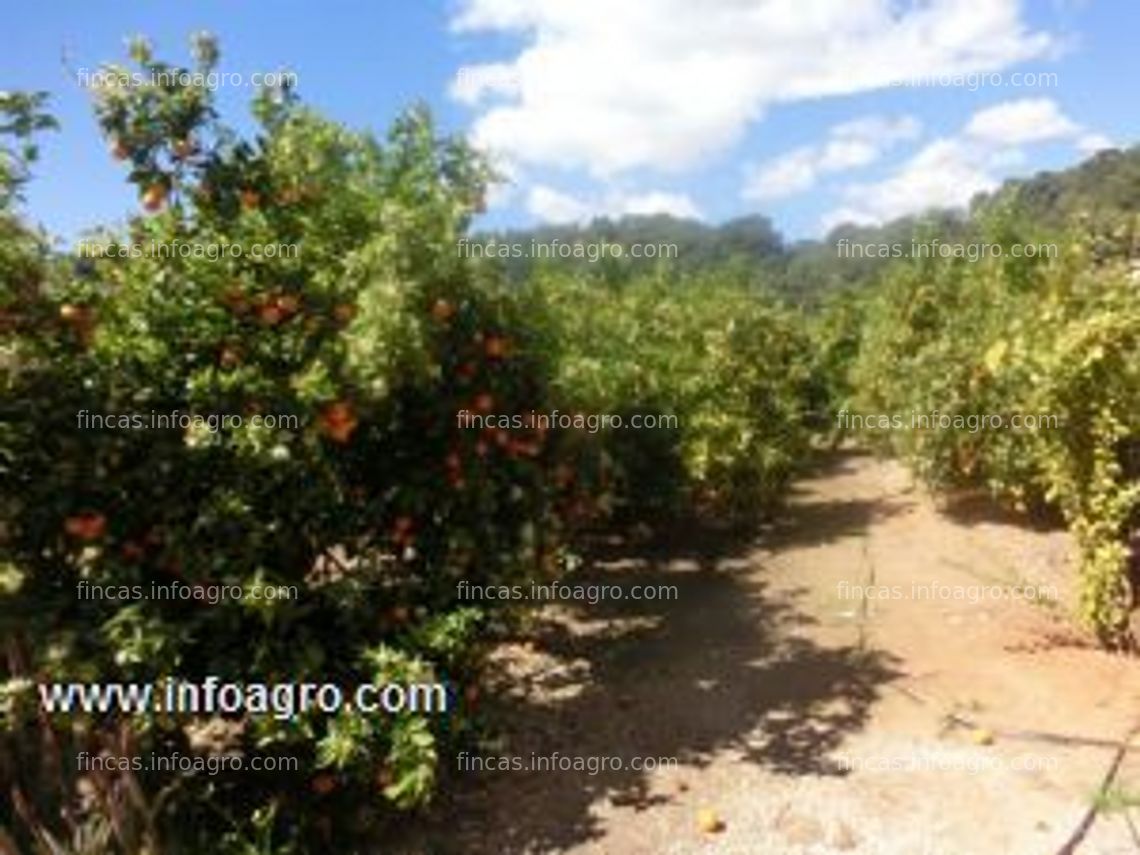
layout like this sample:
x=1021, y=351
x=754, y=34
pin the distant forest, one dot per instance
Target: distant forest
x=752, y=248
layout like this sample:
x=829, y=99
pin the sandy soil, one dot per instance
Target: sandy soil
x=804, y=720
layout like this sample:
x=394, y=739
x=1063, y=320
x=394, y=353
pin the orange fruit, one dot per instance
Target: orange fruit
x=288, y=304
x=483, y=403
x=708, y=821
x=118, y=149
x=384, y=778
x=344, y=312
x=495, y=347
x=323, y=784
x=270, y=314
x=86, y=526
x=81, y=319
x=522, y=448
x=289, y=196
x=338, y=421
x=250, y=199
x=183, y=148
x=442, y=310
x=133, y=551
x=154, y=197
x=235, y=300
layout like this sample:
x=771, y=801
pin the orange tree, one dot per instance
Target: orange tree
x=722, y=373
x=356, y=486
x=1051, y=342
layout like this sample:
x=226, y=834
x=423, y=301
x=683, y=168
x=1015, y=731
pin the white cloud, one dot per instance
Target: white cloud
x=1092, y=143
x=786, y=175
x=677, y=204
x=473, y=81
x=849, y=146
x=1027, y=120
x=948, y=172
x=613, y=86
x=554, y=206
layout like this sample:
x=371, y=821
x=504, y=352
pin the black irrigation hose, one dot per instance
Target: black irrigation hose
x=1122, y=747
x=1090, y=815
x=1052, y=738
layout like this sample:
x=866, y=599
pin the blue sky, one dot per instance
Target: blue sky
x=714, y=109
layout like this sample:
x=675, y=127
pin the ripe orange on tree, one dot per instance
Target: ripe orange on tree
x=229, y=357
x=495, y=347
x=442, y=310
x=338, y=421
x=270, y=314
x=183, y=148
x=250, y=199
x=118, y=149
x=86, y=526
x=73, y=314
x=323, y=784
x=154, y=196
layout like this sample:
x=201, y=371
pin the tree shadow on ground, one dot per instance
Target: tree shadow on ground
x=721, y=667
x=821, y=523
x=979, y=507
x=810, y=520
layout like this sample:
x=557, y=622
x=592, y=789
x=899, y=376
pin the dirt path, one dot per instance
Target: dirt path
x=810, y=722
